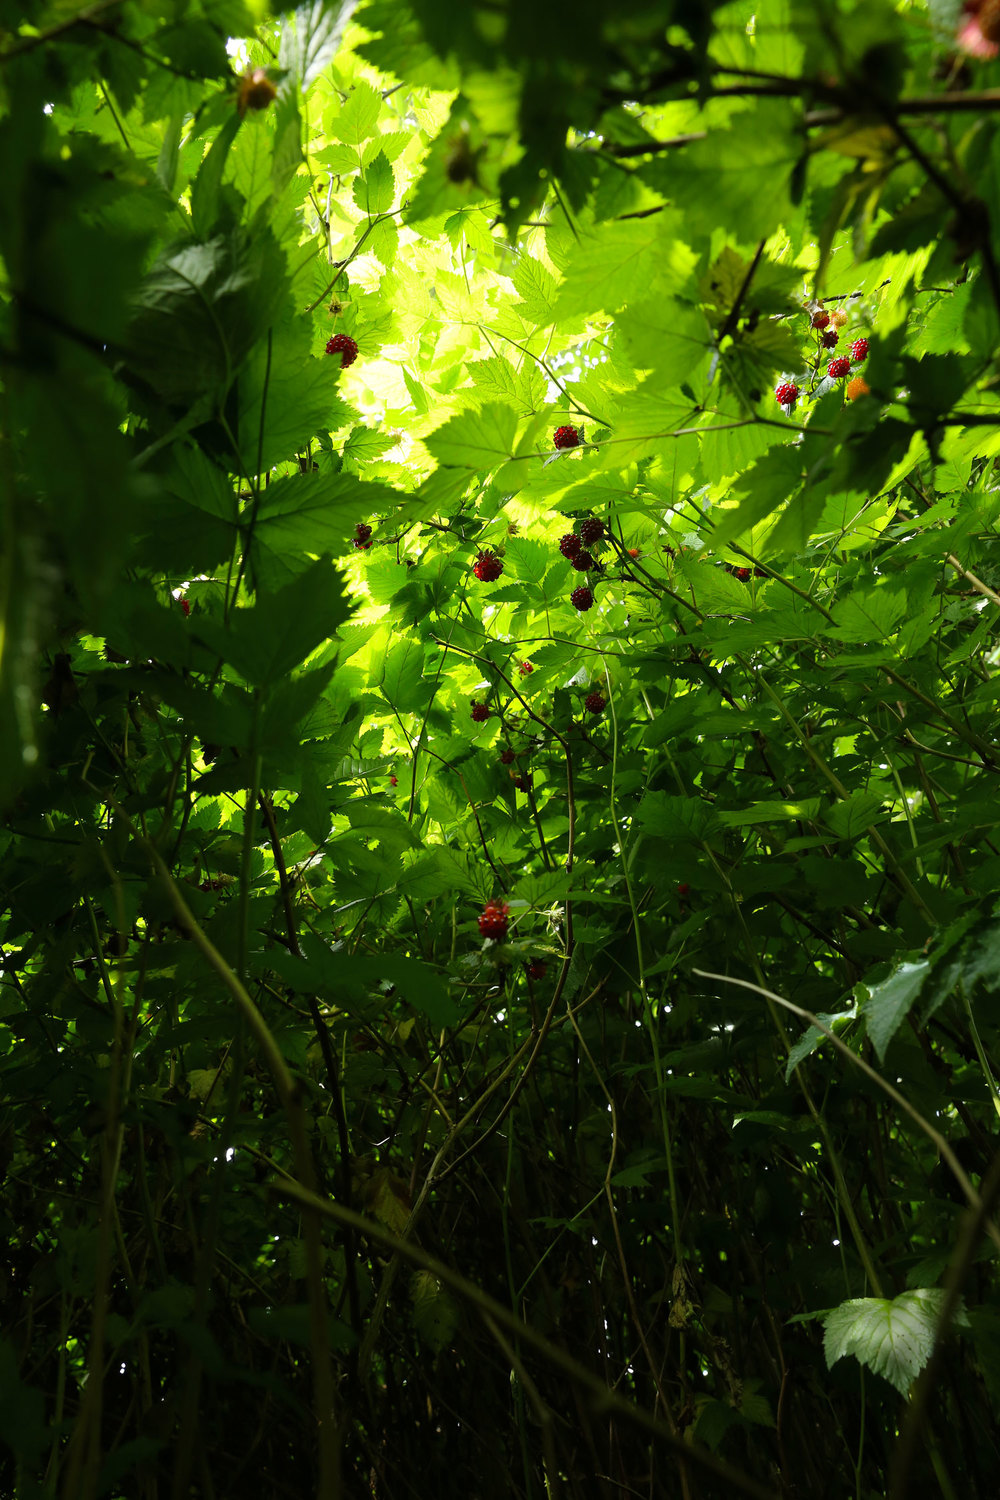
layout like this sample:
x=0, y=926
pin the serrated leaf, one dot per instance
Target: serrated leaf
x=850, y=818
x=894, y=1339
x=475, y=439
x=812, y=1037
x=435, y=1314
x=310, y=38
x=889, y=1003
x=358, y=119
x=374, y=192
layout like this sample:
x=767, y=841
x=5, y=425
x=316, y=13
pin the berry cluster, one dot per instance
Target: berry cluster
x=487, y=567
x=575, y=546
x=568, y=437
x=479, y=711
x=828, y=325
x=582, y=599
x=344, y=345
x=595, y=703
x=525, y=669
x=493, y=920
x=362, y=536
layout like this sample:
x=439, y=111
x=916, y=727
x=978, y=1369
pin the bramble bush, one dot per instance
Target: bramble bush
x=499, y=930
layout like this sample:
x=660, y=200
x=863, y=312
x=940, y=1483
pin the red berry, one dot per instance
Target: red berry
x=566, y=437
x=859, y=351
x=506, y=757
x=581, y=599
x=583, y=562
x=525, y=669
x=363, y=532
x=743, y=574
x=595, y=703
x=683, y=890
x=479, y=711
x=820, y=319
x=787, y=394
x=393, y=780
x=569, y=545
x=634, y=552
x=591, y=531
x=523, y=782
x=362, y=546
x=488, y=567
x=493, y=919
x=344, y=345
x=838, y=368
x=186, y=606
x=830, y=338
x=536, y=969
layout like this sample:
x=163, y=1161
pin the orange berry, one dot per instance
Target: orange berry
x=857, y=387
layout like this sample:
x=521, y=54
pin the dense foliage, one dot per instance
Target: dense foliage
x=498, y=913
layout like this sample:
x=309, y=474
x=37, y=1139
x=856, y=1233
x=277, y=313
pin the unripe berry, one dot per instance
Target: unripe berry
x=566, y=437
x=838, y=318
x=569, y=545
x=838, y=368
x=255, y=91
x=820, y=319
x=634, y=552
x=493, y=921
x=787, y=394
x=581, y=599
x=859, y=351
x=591, y=530
x=479, y=711
x=487, y=567
x=857, y=387
x=595, y=703
x=344, y=345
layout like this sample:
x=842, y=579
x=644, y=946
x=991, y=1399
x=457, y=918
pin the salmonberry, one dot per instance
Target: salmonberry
x=363, y=532
x=829, y=339
x=820, y=319
x=569, y=545
x=525, y=669
x=479, y=711
x=838, y=368
x=493, y=920
x=838, y=318
x=743, y=574
x=591, y=530
x=488, y=567
x=581, y=599
x=523, y=782
x=857, y=387
x=507, y=757
x=536, y=969
x=859, y=351
x=186, y=606
x=595, y=703
x=344, y=345
x=634, y=552
x=683, y=890
x=362, y=546
x=394, y=781
x=566, y=437
x=255, y=91
x=787, y=393
x=583, y=562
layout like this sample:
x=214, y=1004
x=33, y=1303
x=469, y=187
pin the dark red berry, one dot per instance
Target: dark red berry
x=493, y=921
x=523, y=782
x=581, y=599
x=362, y=532
x=507, y=757
x=591, y=530
x=583, y=561
x=743, y=574
x=830, y=337
x=838, y=368
x=595, y=703
x=859, y=351
x=186, y=606
x=362, y=546
x=480, y=713
x=536, y=969
x=488, y=567
x=566, y=437
x=684, y=890
x=344, y=345
x=787, y=394
x=569, y=545
x=820, y=319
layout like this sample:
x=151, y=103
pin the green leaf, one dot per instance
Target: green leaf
x=435, y=1314
x=475, y=439
x=894, y=1339
x=311, y=36
x=375, y=191
x=358, y=118
x=619, y=262
x=849, y=819
x=890, y=1002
